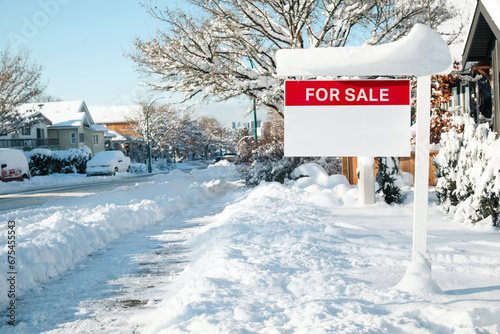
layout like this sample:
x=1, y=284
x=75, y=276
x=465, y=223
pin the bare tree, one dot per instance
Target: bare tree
x=228, y=49
x=216, y=136
x=20, y=81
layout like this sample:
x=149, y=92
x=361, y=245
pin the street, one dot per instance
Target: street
x=24, y=199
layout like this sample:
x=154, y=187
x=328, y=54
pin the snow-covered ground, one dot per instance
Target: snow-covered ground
x=304, y=257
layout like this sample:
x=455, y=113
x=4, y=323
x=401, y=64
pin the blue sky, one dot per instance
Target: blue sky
x=82, y=46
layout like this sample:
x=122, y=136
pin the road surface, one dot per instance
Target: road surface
x=24, y=199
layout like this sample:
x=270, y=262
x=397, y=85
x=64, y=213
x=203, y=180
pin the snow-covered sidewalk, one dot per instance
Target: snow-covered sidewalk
x=297, y=258
x=313, y=260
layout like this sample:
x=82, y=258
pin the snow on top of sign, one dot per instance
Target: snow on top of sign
x=421, y=52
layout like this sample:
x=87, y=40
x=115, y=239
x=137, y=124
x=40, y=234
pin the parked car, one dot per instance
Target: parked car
x=13, y=165
x=108, y=163
x=228, y=156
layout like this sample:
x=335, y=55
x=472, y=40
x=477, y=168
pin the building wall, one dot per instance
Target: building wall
x=32, y=134
x=123, y=128
x=89, y=140
x=64, y=136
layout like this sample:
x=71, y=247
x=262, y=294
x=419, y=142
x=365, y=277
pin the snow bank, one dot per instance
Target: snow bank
x=51, y=240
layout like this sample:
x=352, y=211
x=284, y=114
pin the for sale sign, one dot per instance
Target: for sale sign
x=347, y=118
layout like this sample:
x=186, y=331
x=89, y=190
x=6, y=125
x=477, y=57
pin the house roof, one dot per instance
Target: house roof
x=114, y=114
x=65, y=114
x=484, y=30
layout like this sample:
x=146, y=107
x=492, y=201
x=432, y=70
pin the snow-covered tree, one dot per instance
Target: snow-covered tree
x=20, y=81
x=227, y=48
x=216, y=136
x=245, y=142
x=170, y=131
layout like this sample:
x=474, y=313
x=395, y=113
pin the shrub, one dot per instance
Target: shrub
x=73, y=160
x=447, y=168
x=269, y=164
x=40, y=162
x=45, y=162
x=469, y=173
x=389, y=179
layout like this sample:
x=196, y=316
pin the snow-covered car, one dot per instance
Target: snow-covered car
x=228, y=156
x=13, y=165
x=108, y=163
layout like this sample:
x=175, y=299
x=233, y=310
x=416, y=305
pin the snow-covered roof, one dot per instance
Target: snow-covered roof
x=484, y=28
x=493, y=7
x=61, y=114
x=97, y=127
x=114, y=114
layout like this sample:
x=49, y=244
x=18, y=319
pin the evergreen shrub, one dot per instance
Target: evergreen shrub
x=390, y=180
x=40, y=162
x=469, y=173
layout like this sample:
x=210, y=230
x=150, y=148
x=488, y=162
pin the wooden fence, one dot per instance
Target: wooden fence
x=407, y=164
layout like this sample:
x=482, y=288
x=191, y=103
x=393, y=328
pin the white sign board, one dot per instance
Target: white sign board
x=347, y=118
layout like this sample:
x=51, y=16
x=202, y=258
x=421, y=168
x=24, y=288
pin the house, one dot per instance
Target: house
x=71, y=125
x=483, y=48
x=117, y=118
x=121, y=134
x=31, y=137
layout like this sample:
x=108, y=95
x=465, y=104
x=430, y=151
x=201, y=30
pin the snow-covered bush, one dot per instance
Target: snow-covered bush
x=270, y=164
x=390, y=180
x=73, y=160
x=447, y=168
x=469, y=173
x=40, y=161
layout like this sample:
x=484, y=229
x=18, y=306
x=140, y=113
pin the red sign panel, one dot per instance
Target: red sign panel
x=347, y=92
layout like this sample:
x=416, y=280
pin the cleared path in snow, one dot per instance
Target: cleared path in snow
x=124, y=277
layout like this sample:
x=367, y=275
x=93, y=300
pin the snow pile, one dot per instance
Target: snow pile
x=285, y=260
x=316, y=174
x=51, y=240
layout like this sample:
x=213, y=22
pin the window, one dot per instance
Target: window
x=96, y=139
x=72, y=138
x=40, y=133
x=82, y=137
x=26, y=131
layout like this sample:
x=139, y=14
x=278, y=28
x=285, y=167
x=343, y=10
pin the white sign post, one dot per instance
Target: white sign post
x=422, y=53
x=421, y=199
